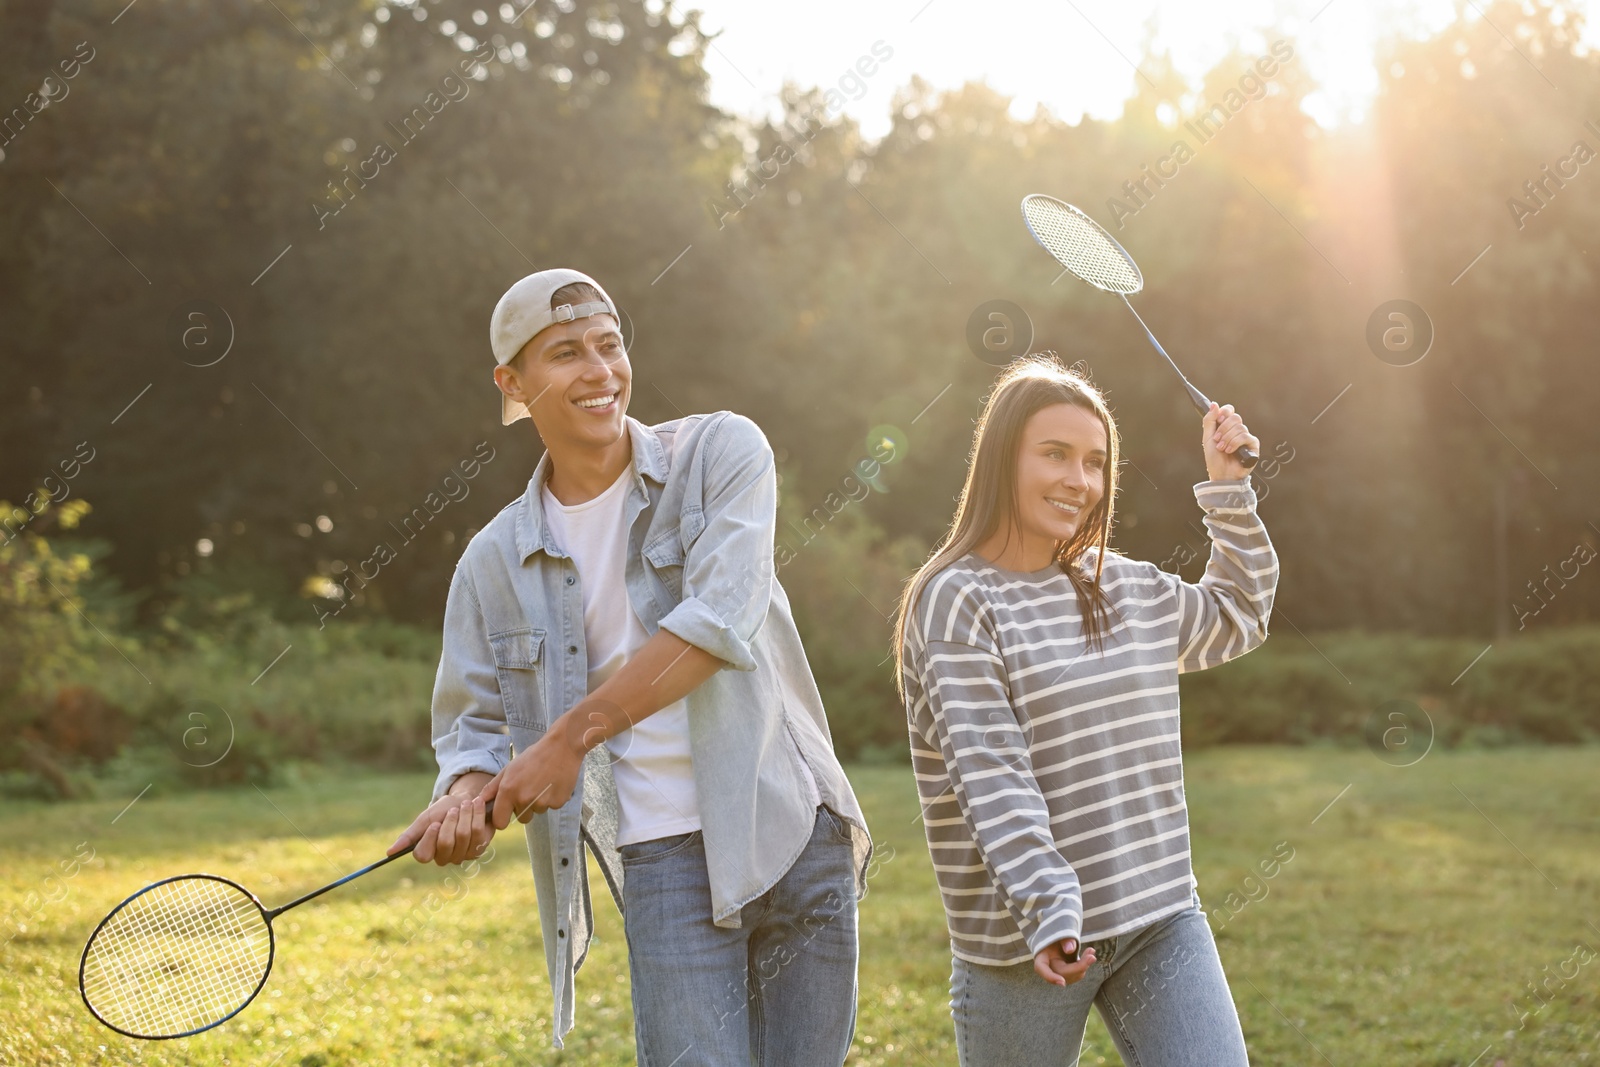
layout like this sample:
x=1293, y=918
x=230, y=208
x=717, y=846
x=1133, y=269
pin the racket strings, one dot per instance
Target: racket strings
x=221, y=969
x=177, y=958
x=1081, y=246
x=186, y=959
x=137, y=958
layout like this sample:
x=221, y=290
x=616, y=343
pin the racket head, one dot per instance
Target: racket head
x=180, y=956
x=1080, y=244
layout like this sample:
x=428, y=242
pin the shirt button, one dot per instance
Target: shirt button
x=570, y=579
x=564, y=861
x=561, y=933
x=572, y=650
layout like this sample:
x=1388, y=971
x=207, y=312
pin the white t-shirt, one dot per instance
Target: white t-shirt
x=650, y=760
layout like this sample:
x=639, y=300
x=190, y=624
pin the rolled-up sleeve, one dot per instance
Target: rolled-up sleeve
x=728, y=567
x=469, y=720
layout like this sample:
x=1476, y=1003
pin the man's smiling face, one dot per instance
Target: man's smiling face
x=576, y=380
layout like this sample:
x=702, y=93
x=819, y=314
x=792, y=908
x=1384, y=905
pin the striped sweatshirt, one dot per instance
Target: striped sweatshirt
x=1051, y=774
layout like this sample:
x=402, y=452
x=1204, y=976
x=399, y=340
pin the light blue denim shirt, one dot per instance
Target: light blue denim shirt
x=702, y=515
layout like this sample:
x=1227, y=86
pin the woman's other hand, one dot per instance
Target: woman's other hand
x=1052, y=964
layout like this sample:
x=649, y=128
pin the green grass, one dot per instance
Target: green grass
x=1400, y=933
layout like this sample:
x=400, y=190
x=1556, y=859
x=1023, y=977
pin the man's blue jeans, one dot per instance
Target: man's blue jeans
x=779, y=990
x=1160, y=990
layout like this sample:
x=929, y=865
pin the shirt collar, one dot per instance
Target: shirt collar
x=649, y=461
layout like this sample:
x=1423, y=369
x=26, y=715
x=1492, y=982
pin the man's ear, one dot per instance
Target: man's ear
x=512, y=376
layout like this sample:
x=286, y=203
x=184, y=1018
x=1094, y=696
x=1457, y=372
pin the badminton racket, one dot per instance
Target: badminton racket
x=185, y=954
x=1092, y=255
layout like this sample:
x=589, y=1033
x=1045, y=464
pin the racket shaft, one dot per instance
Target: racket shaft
x=488, y=811
x=1244, y=454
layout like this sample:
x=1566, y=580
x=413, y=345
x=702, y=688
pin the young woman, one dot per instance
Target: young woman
x=1040, y=676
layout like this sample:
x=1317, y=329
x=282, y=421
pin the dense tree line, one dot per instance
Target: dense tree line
x=250, y=252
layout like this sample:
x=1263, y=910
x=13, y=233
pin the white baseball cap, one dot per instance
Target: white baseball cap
x=525, y=309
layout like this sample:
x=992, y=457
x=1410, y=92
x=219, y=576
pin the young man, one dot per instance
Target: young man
x=620, y=629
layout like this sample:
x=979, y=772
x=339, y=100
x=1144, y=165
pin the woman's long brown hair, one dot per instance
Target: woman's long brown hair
x=989, y=496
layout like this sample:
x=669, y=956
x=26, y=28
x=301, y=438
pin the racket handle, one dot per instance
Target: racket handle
x=1245, y=455
x=488, y=813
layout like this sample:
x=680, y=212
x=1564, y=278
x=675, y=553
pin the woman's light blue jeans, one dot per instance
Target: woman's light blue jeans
x=1160, y=991
x=779, y=990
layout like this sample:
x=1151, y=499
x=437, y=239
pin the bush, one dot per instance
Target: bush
x=844, y=583
x=844, y=576
x=218, y=693
x=222, y=693
x=357, y=692
x=48, y=599
x=1532, y=688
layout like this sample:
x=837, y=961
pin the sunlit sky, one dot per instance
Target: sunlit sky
x=1073, y=57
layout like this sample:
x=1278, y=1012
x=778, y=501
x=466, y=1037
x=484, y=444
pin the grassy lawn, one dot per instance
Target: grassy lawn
x=1416, y=913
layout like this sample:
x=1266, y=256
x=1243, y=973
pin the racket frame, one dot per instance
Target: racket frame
x=1245, y=454
x=272, y=951
x=1084, y=216
x=266, y=915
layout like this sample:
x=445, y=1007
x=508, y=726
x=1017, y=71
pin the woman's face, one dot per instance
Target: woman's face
x=1061, y=473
